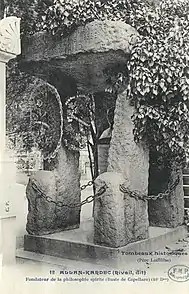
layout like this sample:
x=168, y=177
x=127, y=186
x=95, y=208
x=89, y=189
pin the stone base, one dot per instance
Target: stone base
x=78, y=245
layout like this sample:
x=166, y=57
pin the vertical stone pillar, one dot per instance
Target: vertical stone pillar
x=68, y=186
x=9, y=48
x=60, y=181
x=167, y=212
x=131, y=160
x=109, y=219
x=125, y=156
x=118, y=218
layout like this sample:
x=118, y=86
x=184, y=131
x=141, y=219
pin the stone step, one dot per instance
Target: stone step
x=76, y=245
x=186, y=190
x=185, y=180
x=186, y=202
x=62, y=263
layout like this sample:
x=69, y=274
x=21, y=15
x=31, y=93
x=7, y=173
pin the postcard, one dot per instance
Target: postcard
x=94, y=146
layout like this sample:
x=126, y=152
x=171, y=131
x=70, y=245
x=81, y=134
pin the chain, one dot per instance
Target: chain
x=138, y=196
x=90, y=183
x=135, y=194
x=60, y=204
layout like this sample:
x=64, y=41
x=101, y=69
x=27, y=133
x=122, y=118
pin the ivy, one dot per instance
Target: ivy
x=62, y=17
x=157, y=73
x=159, y=81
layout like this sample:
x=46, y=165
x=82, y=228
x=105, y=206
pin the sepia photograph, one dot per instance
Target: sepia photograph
x=94, y=146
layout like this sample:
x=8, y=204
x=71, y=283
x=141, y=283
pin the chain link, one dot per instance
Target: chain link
x=135, y=194
x=89, y=184
x=60, y=204
x=138, y=196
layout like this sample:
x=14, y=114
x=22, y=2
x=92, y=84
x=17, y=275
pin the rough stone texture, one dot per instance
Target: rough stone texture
x=41, y=214
x=109, y=220
x=118, y=218
x=61, y=184
x=97, y=36
x=125, y=156
x=83, y=55
x=68, y=187
x=118, y=221
x=169, y=211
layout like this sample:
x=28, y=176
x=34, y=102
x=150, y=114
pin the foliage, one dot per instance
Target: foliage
x=64, y=16
x=158, y=71
x=159, y=81
x=26, y=10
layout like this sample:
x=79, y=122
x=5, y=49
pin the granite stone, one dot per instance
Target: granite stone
x=168, y=211
x=118, y=218
x=61, y=184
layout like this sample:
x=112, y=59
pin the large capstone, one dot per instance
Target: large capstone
x=84, y=55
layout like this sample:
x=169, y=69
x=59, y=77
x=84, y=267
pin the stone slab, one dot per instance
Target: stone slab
x=84, y=55
x=66, y=169
x=97, y=36
x=64, y=263
x=103, y=150
x=77, y=245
